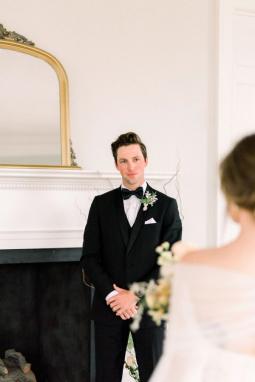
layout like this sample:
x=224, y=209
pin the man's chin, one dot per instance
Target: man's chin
x=134, y=181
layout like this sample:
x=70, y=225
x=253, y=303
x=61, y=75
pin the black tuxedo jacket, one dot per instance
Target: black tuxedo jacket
x=114, y=253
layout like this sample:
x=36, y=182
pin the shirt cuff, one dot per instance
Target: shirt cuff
x=111, y=294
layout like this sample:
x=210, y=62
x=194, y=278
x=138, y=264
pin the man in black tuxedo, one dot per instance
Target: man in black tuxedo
x=119, y=248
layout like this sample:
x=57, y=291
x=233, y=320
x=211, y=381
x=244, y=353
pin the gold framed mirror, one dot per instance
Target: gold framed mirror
x=34, y=105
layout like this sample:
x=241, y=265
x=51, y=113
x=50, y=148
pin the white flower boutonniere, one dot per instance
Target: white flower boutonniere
x=148, y=199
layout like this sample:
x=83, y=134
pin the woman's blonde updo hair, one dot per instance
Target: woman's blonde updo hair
x=237, y=174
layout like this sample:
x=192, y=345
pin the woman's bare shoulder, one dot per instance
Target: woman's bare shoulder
x=199, y=256
x=187, y=253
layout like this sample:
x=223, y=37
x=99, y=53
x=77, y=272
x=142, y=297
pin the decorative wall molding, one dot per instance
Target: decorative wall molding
x=236, y=68
x=65, y=238
x=45, y=179
x=49, y=208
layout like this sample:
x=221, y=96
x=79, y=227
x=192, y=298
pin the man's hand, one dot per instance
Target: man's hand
x=124, y=303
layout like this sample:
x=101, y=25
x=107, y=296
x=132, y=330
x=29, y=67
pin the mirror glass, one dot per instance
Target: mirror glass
x=30, y=111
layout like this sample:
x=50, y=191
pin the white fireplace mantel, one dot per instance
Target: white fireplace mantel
x=48, y=208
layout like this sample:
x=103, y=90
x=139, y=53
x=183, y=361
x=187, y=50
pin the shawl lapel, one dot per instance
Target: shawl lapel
x=122, y=218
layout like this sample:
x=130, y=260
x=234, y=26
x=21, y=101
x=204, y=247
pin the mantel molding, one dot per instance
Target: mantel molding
x=48, y=208
x=46, y=179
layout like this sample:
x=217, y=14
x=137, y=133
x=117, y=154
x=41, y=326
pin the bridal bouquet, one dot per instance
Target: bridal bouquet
x=154, y=295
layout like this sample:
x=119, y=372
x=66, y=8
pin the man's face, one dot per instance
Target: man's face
x=131, y=165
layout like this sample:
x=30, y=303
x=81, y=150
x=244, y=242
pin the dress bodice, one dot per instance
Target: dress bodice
x=211, y=331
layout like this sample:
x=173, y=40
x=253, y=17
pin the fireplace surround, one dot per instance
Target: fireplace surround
x=44, y=305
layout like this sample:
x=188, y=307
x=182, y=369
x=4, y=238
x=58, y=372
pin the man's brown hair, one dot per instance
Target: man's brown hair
x=127, y=139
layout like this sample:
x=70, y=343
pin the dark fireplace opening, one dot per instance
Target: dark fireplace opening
x=44, y=312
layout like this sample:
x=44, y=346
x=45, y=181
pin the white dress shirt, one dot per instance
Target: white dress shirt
x=131, y=207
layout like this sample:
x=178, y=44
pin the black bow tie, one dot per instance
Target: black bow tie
x=127, y=193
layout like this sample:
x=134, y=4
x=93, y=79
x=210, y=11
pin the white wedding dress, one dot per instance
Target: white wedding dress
x=211, y=332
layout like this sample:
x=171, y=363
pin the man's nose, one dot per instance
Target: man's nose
x=131, y=165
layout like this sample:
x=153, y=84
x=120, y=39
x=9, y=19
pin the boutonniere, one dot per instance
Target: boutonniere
x=148, y=199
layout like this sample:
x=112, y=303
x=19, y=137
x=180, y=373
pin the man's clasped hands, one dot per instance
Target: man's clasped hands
x=124, y=303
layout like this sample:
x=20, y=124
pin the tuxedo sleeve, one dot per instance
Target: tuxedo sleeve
x=171, y=232
x=172, y=225
x=91, y=255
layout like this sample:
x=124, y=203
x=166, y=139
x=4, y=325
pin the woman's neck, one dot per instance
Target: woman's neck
x=247, y=225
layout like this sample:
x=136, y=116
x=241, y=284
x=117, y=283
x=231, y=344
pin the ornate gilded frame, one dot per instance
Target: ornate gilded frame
x=67, y=154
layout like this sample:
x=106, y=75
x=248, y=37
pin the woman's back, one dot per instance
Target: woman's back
x=211, y=335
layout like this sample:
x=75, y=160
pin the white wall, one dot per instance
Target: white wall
x=137, y=65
